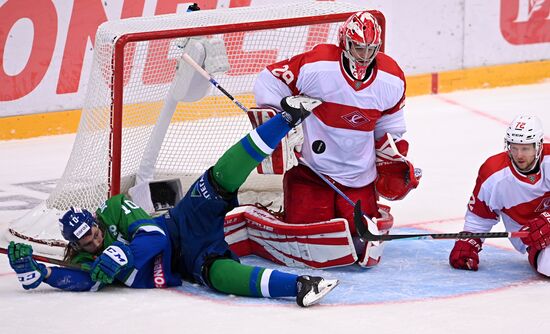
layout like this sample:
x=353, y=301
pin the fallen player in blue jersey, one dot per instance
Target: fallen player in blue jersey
x=121, y=242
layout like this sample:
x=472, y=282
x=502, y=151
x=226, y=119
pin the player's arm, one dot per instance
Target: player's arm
x=129, y=252
x=279, y=80
x=269, y=90
x=71, y=279
x=480, y=218
x=31, y=273
x=148, y=240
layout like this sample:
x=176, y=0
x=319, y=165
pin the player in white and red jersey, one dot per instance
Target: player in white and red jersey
x=513, y=186
x=364, y=94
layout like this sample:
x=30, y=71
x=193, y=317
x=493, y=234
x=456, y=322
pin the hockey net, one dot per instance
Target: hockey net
x=134, y=65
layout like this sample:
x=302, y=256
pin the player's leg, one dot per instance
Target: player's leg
x=235, y=165
x=540, y=261
x=232, y=277
x=307, y=198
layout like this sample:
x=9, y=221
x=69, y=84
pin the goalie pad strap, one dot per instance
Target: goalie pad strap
x=250, y=230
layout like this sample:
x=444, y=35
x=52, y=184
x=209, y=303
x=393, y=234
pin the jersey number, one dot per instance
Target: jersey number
x=129, y=204
x=284, y=74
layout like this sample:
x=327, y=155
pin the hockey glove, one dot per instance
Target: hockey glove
x=465, y=254
x=396, y=175
x=539, y=232
x=296, y=108
x=29, y=272
x=112, y=261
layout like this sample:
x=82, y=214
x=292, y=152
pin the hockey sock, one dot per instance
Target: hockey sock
x=232, y=277
x=237, y=163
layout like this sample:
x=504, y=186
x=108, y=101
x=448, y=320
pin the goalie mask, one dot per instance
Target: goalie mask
x=75, y=224
x=360, y=37
x=525, y=129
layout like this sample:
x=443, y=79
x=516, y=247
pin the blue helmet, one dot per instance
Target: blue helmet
x=75, y=223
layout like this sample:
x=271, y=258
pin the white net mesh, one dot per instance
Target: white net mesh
x=200, y=131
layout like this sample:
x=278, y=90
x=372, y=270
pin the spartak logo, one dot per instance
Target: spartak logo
x=525, y=21
x=355, y=118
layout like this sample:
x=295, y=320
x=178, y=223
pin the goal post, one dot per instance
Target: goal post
x=135, y=64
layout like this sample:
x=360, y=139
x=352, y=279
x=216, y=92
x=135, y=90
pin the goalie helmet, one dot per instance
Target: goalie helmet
x=75, y=223
x=360, y=37
x=525, y=129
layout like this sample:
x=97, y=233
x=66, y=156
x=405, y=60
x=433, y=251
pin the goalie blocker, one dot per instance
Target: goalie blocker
x=251, y=230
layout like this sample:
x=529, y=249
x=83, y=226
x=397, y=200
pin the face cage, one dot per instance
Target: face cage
x=538, y=148
x=362, y=62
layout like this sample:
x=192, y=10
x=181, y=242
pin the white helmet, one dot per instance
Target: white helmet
x=360, y=37
x=525, y=129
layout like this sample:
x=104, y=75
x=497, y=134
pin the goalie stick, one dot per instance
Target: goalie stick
x=53, y=261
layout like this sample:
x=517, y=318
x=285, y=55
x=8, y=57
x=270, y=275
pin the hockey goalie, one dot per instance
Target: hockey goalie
x=354, y=139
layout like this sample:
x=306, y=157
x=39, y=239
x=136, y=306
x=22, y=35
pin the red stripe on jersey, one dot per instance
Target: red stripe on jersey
x=523, y=212
x=347, y=117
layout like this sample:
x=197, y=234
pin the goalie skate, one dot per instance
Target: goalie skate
x=312, y=289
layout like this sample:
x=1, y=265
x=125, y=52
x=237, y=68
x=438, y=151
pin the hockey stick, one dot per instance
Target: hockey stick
x=361, y=227
x=208, y=77
x=431, y=236
x=53, y=261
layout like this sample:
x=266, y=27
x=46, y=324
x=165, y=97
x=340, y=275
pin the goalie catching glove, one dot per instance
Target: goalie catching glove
x=396, y=175
x=295, y=110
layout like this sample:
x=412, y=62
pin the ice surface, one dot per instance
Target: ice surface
x=412, y=291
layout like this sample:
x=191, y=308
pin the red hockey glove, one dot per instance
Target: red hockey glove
x=539, y=232
x=465, y=254
x=396, y=175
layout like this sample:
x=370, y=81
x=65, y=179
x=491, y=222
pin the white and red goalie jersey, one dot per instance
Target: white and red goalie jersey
x=502, y=192
x=339, y=137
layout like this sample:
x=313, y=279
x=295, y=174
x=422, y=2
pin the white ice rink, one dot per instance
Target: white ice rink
x=450, y=136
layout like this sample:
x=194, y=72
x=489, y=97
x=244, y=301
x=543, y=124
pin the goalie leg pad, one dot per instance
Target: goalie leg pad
x=366, y=194
x=370, y=253
x=325, y=244
x=307, y=199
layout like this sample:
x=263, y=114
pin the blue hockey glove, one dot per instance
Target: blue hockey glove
x=112, y=261
x=29, y=272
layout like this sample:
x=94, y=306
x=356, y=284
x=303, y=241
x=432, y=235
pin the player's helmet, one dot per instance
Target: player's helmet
x=525, y=129
x=75, y=223
x=360, y=37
